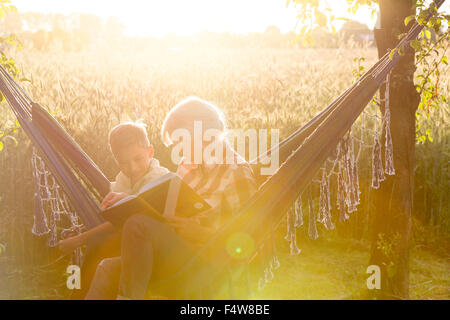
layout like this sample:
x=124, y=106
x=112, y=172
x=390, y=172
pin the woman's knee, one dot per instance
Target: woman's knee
x=109, y=266
x=140, y=225
x=104, y=283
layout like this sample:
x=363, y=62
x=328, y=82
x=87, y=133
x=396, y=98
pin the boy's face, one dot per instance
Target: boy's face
x=134, y=161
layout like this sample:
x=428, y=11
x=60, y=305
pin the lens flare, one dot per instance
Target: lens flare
x=240, y=245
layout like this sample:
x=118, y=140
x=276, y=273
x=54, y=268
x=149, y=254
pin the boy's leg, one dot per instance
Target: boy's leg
x=106, y=280
x=151, y=250
x=100, y=246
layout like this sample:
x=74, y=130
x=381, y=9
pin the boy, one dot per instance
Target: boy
x=133, y=154
x=151, y=250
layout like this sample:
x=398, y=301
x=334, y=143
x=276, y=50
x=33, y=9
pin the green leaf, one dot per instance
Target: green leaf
x=416, y=44
x=343, y=19
x=16, y=143
x=408, y=19
x=428, y=34
x=303, y=30
x=391, y=54
x=1, y=146
x=333, y=29
x=321, y=18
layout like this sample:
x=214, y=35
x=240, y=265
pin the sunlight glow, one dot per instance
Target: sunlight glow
x=186, y=17
x=157, y=18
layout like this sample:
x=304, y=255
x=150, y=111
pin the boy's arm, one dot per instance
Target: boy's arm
x=70, y=244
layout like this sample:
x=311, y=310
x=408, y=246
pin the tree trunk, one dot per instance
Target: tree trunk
x=393, y=201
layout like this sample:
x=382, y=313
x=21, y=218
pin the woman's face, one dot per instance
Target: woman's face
x=197, y=146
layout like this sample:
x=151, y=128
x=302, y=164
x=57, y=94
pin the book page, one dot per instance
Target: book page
x=172, y=197
x=155, y=182
x=123, y=200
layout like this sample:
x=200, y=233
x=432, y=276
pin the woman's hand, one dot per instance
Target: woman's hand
x=190, y=229
x=70, y=244
x=111, y=198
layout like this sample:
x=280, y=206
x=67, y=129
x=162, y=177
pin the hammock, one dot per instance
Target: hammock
x=302, y=155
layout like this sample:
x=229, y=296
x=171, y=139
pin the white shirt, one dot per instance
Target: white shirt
x=123, y=183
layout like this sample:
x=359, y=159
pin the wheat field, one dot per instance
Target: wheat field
x=92, y=91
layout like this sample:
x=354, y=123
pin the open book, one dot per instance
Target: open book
x=166, y=196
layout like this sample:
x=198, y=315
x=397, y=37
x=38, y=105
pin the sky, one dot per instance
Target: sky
x=185, y=17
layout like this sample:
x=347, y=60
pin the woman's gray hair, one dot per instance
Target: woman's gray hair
x=186, y=112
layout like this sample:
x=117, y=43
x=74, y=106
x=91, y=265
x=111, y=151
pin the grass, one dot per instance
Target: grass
x=281, y=88
x=335, y=268
x=328, y=268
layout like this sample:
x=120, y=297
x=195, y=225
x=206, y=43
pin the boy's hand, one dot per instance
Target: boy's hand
x=69, y=245
x=111, y=198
